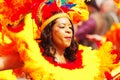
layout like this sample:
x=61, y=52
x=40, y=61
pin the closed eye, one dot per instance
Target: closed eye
x=61, y=26
x=70, y=27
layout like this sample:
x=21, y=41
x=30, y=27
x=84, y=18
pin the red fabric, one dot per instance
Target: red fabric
x=69, y=65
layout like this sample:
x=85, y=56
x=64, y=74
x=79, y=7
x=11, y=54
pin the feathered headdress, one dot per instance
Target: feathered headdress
x=48, y=11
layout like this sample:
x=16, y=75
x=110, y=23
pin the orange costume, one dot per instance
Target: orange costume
x=90, y=64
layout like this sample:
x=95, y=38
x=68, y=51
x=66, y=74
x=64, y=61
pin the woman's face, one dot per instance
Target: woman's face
x=62, y=33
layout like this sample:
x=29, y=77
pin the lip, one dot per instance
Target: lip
x=68, y=37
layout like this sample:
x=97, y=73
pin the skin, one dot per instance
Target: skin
x=10, y=62
x=10, y=57
x=61, y=36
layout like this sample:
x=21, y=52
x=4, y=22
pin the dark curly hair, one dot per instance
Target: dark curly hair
x=46, y=44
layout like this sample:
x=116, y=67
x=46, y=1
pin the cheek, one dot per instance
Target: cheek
x=58, y=32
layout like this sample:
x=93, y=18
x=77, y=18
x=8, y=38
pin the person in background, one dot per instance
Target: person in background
x=109, y=11
x=108, y=15
x=94, y=25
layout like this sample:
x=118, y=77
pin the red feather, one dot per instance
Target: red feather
x=49, y=10
x=17, y=28
x=12, y=9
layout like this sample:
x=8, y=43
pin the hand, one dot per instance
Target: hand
x=94, y=37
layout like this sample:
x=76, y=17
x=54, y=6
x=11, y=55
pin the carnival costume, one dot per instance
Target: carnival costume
x=90, y=64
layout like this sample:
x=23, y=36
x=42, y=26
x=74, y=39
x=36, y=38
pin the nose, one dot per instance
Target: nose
x=68, y=30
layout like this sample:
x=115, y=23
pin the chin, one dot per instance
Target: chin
x=67, y=45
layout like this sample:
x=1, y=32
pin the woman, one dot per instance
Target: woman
x=59, y=48
x=60, y=33
x=57, y=45
x=57, y=38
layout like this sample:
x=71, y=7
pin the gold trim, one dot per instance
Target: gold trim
x=52, y=18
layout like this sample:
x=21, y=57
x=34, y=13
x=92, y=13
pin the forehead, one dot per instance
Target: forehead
x=63, y=20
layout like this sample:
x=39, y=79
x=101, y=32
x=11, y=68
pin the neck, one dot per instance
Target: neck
x=59, y=51
x=59, y=56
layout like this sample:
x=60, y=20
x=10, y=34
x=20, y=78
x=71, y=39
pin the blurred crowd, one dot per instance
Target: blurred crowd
x=102, y=14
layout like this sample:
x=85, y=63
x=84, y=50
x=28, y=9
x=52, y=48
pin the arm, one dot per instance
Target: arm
x=9, y=57
x=10, y=62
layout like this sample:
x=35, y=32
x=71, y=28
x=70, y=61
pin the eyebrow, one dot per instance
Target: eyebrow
x=64, y=24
